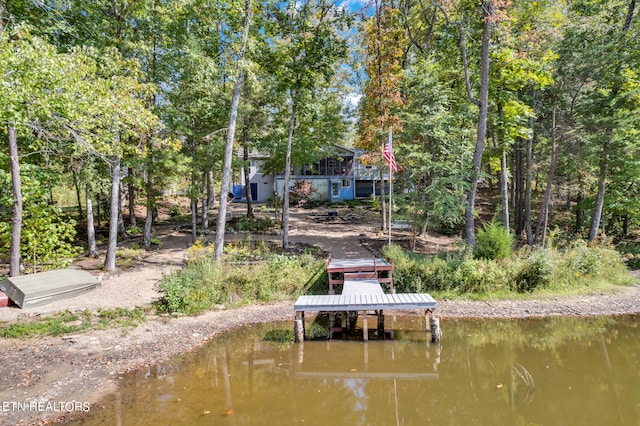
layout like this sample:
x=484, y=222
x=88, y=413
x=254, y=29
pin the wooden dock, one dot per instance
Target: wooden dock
x=362, y=293
x=340, y=270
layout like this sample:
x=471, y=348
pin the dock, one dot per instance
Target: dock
x=362, y=293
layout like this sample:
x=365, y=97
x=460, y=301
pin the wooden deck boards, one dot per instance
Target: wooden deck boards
x=360, y=264
x=362, y=286
x=364, y=302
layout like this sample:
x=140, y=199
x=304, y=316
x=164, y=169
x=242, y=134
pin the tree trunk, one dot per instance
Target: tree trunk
x=517, y=192
x=211, y=193
x=541, y=228
x=16, y=214
x=527, y=198
x=121, y=229
x=91, y=231
x=597, y=209
x=77, y=186
x=580, y=210
x=205, y=217
x=99, y=208
x=470, y=227
x=287, y=176
x=114, y=215
x=504, y=190
x=625, y=225
x=194, y=210
x=629, y=18
x=231, y=130
x=151, y=206
x=247, y=180
x=131, y=195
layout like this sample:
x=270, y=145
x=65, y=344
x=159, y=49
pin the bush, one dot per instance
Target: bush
x=458, y=274
x=203, y=283
x=254, y=224
x=535, y=273
x=46, y=240
x=302, y=193
x=493, y=242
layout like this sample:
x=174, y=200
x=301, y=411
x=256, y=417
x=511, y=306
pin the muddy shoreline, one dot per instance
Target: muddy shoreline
x=87, y=367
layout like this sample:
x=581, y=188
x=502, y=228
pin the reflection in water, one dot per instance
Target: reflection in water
x=569, y=371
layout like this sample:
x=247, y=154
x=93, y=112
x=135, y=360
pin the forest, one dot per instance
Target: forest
x=113, y=104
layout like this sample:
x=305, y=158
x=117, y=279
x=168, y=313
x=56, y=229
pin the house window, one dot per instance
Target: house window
x=335, y=189
x=346, y=183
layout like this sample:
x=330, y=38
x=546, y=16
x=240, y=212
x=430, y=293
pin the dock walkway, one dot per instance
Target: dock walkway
x=362, y=292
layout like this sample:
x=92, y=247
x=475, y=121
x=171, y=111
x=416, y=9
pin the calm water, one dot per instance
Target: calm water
x=562, y=371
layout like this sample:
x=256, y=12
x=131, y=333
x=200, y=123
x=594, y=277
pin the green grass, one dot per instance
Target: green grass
x=67, y=322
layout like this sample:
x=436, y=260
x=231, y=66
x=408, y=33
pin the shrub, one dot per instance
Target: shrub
x=175, y=211
x=493, y=242
x=301, y=194
x=535, y=273
x=203, y=283
x=46, y=240
x=254, y=224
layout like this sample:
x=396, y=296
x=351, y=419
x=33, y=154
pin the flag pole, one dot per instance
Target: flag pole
x=390, y=188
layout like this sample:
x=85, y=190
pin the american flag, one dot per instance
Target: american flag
x=387, y=153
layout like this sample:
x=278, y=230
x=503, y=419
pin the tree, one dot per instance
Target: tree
x=384, y=44
x=230, y=134
x=488, y=16
x=307, y=45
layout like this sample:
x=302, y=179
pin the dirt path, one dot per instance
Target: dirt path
x=86, y=367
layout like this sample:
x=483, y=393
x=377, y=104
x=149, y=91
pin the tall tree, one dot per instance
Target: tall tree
x=384, y=45
x=488, y=17
x=230, y=134
x=307, y=45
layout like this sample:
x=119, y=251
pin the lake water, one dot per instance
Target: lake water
x=557, y=371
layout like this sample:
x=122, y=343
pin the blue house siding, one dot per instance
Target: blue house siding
x=329, y=188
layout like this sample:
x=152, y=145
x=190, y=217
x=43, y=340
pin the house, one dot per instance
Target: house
x=261, y=183
x=338, y=176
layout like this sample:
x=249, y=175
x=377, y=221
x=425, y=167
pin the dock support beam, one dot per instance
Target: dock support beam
x=432, y=325
x=435, y=329
x=299, y=327
x=365, y=326
x=381, y=325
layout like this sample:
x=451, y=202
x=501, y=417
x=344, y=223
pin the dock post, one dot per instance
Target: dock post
x=332, y=325
x=381, y=324
x=365, y=326
x=435, y=329
x=345, y=323
x=299, y=327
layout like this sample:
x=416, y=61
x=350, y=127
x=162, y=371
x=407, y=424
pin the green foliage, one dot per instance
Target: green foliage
x=175, y=211
x=204, y=284
x=251, y=224
x=493, y=242
x=46, y=241
x=574, y=269
x=535, y=273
